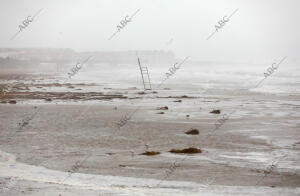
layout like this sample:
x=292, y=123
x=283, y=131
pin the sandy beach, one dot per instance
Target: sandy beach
x=149, y=98
x=254, y=151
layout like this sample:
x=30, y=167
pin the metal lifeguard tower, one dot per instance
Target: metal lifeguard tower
x=145, y=76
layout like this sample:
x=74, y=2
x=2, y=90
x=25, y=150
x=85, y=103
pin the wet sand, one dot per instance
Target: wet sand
x=235, y=159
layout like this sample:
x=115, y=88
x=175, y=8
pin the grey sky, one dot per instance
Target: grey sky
x=260, y=30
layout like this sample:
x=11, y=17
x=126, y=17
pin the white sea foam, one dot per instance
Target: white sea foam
x=9, y=167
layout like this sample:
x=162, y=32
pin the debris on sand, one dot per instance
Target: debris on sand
x=141, y=93
x=192, y=132
x=179, y=101
x=163, y=108
x=295, y=144
x=178, y=97
x=160, y=113
x=154, y=92
x=150, y=153
x=187, y=115
x=216, y=112
x=12, y=102
x=66, y=96
x=187, y=150
x=48, y=99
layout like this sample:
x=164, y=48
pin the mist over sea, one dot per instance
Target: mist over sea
x=197, y=76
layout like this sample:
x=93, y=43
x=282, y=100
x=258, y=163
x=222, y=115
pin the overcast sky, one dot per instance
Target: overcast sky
x=259, y=30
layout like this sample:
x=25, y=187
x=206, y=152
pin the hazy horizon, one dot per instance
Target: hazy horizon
x=258, y=31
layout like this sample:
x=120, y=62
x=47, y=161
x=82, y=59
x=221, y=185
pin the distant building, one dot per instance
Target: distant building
x=31, y=57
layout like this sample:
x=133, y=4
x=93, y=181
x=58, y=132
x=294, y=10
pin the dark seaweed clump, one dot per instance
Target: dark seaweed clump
x=192, y=132
x=187, y=150
x=216, y=112
x=150, y=153
x=163, y=108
